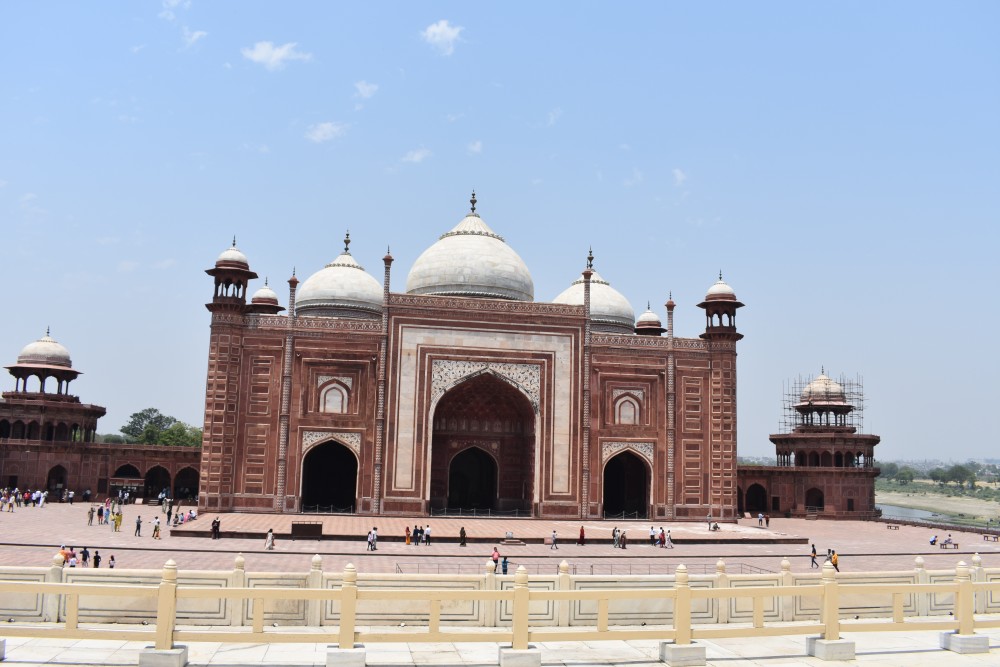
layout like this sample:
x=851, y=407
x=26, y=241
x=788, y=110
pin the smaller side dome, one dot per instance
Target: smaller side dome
x=340, y=289
x=265, y=295
x=232, y=256
x=610, y=311
x=649, y=324
x=44, y=352
x=720, y=291
x=823, y=391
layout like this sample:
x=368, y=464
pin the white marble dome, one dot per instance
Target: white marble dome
x=648, y=317
x=340, y=289
x=720, y=290
x=823, y=390
x=44, y=352
x=471, y=260
x=265, y=295
x=609, y=310
x=233, y=255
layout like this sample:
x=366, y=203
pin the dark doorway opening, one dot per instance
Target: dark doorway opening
x=186, y=484
x=329, y=479
x=56, y=481
x=756, y=499
x=814, y=499
x=472, y=480
x=626, y=487
x=157, y=479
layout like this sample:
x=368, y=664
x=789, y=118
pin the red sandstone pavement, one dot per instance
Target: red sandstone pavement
x=30, y=536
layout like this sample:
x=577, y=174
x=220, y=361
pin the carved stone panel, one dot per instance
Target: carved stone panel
x=350, y=439
x=643, y=449
x=448, y=373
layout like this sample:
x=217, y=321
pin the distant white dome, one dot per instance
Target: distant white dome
x=233, y=255
x=720, y=290
x=340, y=289
x=823, y=390
x=44, y=352
x=609, y=310
x=473, y=261
x=265, y=295
x=648, y=317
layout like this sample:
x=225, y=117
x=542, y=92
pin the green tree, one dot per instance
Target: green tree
x=960, y=475
x=937, y=475
x=905, y=475
x=181, y=435
x=147, y=425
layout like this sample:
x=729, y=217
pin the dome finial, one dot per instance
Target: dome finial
x=347, y=242
x=590, y=258
x=473, y=202
x=234, y=240
x=265, y=281
x=822, y=369
x=47, y=329
x=720, y=274
x=648, y=306
x=670, y=295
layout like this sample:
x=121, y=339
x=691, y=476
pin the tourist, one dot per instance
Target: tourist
x=554, y=545
x=269, y=540
x=503, y=565
x=812, y=556
x=461, y=536
x=934, y=540
x=669, y=541
x=111, y=562
x=767, y=520
x=416, y=534
x=407, y=536
x=760, y=518
x=156, y=528
x=138, y=526
x=622, y=540
x=85, y=557
x=614, y=537
x=216, y=528
x=948, y=540
x=583, y=537
x=100, y=515
x=97, y=558
x=90, y=515
x=652, y=536
x=496, y=559
x=834, y=561
x=427, y=535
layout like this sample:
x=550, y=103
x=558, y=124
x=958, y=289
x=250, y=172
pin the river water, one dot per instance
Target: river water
x=905, y=512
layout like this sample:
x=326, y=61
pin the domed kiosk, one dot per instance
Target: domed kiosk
x=474, y=261
x=610, y=311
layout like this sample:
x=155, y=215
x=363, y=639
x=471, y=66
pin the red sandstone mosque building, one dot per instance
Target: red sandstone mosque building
x=459, y=393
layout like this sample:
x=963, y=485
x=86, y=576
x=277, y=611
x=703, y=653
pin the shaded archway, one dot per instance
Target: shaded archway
x=756, y=499
x=157, y=479
x=329, y=479
x=484, y=412
x=472, y=480
x=626, y=486
x=814, y=498
x=128, y=471
x=56, y=481
x=186, y=483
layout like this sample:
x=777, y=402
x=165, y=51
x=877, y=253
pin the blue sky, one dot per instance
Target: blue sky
x=838, y=162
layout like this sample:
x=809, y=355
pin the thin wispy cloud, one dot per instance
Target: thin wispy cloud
x=191, y=37
x=168, y=7
x=127, y=265
x=319, y=133
x=442, y=36
x=162, y=264
x=635, y=179
x=417, y=156
x=679, y=177
x=365, y=90
x=554, y=116
x=137, y=48
x=475, y=148
x=452, y=117
x=274, y=57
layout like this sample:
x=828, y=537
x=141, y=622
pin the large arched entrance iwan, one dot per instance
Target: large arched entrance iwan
x=329, y=479
x=814, y=499
x=626, y=487
x=483, y=447
x=157, y=479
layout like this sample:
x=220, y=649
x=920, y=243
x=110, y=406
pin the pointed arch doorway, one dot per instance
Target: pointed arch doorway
x=482, y=448
x=626, y=486
x=329, y=479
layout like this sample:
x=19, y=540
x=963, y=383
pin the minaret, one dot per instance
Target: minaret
x=720, y=306
x=232, y=274
x=585, y=487
x=383, y=353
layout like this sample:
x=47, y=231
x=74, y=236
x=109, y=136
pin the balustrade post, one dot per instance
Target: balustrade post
x=787, y=602
x=721, y=581
x=52, y=602
x=965, y=640
x=238, y=580
x=564, y=584
x=164, y=653
x=830, y=646
x=923, y=599
x=682, y=651
x=314, y=580
x=977, y=576
x=347, y=653
x=520, y=654
x=490, y=584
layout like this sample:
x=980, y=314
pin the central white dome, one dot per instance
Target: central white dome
x=471, y=260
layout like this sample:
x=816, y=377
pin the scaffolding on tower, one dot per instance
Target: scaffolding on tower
x=854, y=395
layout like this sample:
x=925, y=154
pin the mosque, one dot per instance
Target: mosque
x=464, y=393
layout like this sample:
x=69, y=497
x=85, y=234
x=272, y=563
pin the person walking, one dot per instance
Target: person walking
x=615, y=536
x=156, y=528
x=269, y=540
x=669, y=543
x=461, y=538
x=496, y=559
x=374, y=538
x=554, y=545
x=767, y=520
x=812, y=556
x=427, y=535
x=622, y=540
x=407, y=536
x=583, y=538
x=503, y=565
x=97, y=558
x=652, y=536
x=138, y=526
x=90, y=515
x=835, y=561
x=111, y=562
x=85, y=557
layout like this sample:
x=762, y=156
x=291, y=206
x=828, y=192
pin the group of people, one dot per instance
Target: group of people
x=11, y=498
x=419, y=534
x=947, y=540
x=831, y=557
x=498, y=560
x=373, y=538
x=72, y=559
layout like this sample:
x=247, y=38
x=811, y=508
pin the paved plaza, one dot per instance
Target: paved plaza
x=31, y=536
